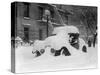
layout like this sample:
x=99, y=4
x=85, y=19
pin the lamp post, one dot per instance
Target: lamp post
x=47, y=14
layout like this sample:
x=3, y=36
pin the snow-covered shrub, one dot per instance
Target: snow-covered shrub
x=18, y=41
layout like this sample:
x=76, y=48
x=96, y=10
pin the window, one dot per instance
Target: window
x=40, y=12
x=26, y=11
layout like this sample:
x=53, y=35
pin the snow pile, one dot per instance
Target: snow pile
x=18, y=38
x=18, y=41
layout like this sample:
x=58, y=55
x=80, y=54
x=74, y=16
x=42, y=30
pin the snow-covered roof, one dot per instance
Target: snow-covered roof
x=67, y=29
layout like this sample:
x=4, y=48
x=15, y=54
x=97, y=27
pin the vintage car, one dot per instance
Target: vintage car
x=62, y=41
x=73, y=38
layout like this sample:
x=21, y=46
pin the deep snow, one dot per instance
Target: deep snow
x=25, y=61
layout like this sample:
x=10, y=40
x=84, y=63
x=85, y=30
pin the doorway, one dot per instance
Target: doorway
x=26, y=34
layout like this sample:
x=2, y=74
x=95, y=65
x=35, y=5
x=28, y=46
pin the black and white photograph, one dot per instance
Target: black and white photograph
x=53, y=37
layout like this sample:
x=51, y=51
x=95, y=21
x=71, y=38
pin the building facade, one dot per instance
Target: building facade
x=35, y=20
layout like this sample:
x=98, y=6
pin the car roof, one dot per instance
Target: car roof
x=67, y=29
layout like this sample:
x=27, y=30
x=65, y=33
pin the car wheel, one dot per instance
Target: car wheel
x=42, y=51
x=38, y=53
x=58, y=52
x=52, y=50
x=84, y=49
x=65, y=51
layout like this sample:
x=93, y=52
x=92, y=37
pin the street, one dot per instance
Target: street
x=25, y=61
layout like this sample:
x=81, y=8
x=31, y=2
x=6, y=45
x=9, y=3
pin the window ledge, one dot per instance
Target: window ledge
x=27, y=18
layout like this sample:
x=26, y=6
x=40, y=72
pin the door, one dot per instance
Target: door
x=26, y=34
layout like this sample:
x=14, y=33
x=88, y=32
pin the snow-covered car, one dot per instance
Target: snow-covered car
x=72, y=34
x=62, y=41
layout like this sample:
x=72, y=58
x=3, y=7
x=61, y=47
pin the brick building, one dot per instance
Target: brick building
x=30, y=20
